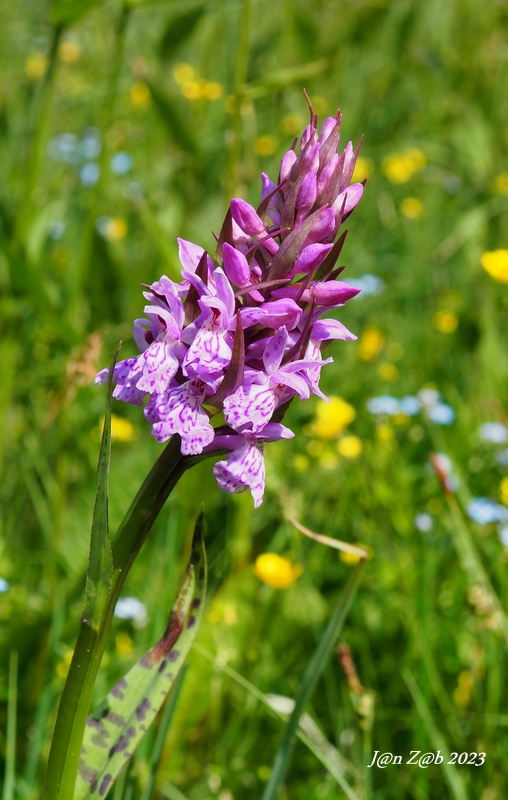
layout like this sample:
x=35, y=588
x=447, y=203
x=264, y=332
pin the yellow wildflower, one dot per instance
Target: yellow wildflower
x=504, y=491
x=445, y=321
x=350, y=446
x=501, y=183
x=332, y=418
x=36, y=66
x=400, y=167
x=371, y=342
x=212, y=91
x=121, y=429
x=140, y=94
x=388, y=371
x=69, y=52
x=495, y=263
x=276, y=571
x=265, y=145
x=124, y=646
x=192, y=90
x=115, y=229
x=363, y=168
x=411, y=208
x=183, y=72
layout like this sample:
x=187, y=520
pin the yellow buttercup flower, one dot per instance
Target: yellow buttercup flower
x=363, y=168
x=371, y=342
x=411, y=208
x=212, y=91
x=276, y=571
x=400, y=167
x=350, y=446
x=183, y=72
x=445, y=321
x=495, y=262
x=332, y=418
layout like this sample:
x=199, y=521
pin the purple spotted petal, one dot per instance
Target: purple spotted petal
x=244, y=469
x=180, y=411
x=250, y=407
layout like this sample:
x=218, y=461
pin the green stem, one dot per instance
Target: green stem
x=65, y=750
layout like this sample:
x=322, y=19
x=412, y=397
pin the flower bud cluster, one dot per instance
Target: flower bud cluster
x=242, y=334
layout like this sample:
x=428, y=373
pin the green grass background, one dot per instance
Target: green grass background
x=406, y=74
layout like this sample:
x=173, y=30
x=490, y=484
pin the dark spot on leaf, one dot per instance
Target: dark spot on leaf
x=106, y=783
x=174, y=655
x=117, y=690
x=163, y=665
x=143, y=707
x=196, y=602
x=146, y=662
x=123, y=741
x=116, y=719
x=191, y=621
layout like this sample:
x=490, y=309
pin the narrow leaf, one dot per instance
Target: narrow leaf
x=312, y=673
x=100, y=566
x=118, y=724
x=451, y=773
x=308, y=732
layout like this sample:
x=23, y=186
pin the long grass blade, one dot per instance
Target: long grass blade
x=12, y=705
x=312, y=673
x=308, y=732
x=451, y=773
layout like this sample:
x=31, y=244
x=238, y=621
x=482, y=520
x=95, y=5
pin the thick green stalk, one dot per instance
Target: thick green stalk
x=74, y=705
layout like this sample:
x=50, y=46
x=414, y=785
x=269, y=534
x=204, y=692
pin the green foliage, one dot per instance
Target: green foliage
x=203, y=97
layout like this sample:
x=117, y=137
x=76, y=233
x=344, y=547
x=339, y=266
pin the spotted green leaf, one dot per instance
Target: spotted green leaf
x=116, y=727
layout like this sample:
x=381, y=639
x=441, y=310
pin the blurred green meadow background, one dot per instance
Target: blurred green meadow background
x=125, y=125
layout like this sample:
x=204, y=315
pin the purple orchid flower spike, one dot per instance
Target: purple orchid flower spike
x=243, y=333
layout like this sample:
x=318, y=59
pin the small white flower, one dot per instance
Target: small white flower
x=132, y=608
